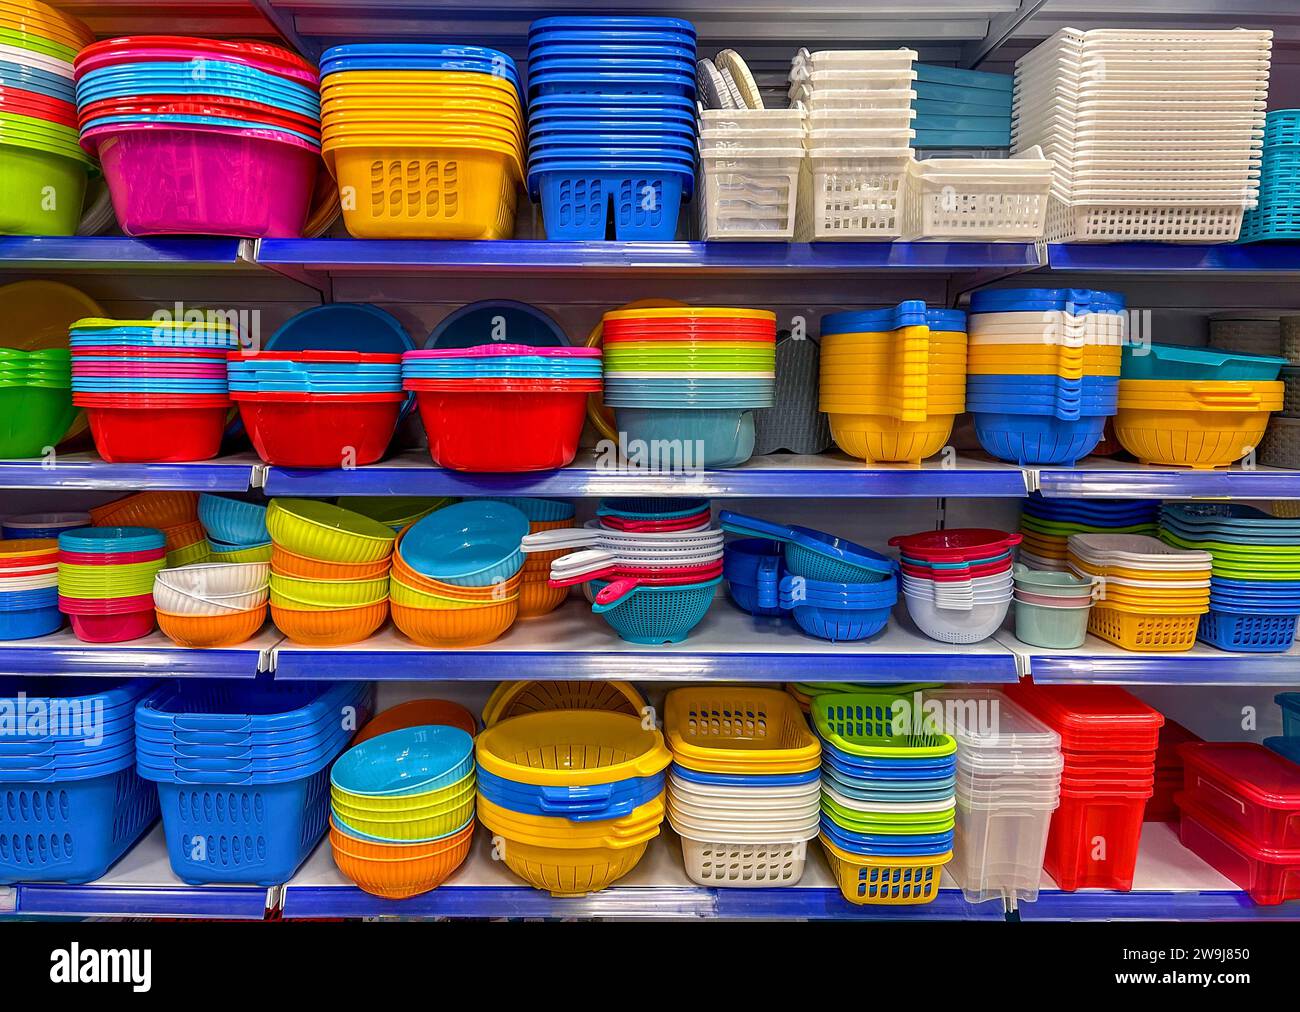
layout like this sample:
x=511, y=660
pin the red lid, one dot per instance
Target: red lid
x=1257, y=773
x=956, y=544
x=152, y=402
x=1107, y=711
x=958, y=575
x=359, y=357
x=261, y=51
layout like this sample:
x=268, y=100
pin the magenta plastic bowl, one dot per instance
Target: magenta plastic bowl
x=113, y=628
x=217, y=371
x=165, y=180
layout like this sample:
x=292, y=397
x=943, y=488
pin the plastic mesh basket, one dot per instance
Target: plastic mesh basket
x=744, y=865
x=1259, y=634
x=583, y=206
x=850, y=198
x=1143, y=632
x=659, y=614
x=1200, y=223
x=891, y=881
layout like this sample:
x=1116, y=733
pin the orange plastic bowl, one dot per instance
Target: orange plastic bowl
x=286, y=563
x=549, y=525
x=537, y=597
x=330, y=628
x=183, y=535
x=419, y=713
x=148, y=509
x=455, y=627
x=403, y=573
x=399, y=871
x=205, y=631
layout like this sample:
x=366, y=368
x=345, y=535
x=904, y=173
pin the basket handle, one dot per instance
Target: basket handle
x=210, y=777
x=615, y=591
x=769, y=578
x=564, y=537
x=600, y=607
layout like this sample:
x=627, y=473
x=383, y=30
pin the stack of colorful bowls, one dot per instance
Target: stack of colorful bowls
x=652, y=583
x=689, y=379
x=1152, y=595
x=106, y=579
x=456, y=574
x=42, y=525
x=1193, y=407
x=536, y=595
x=467, y=396
x=153, y=391
x=958, y=582
x=744, y=787
x=29, y=580
x=36, y=407
x=402, y=809
x=236, y=530
x=173, y=513
x=329, y=572
x=893, y=380
x=574, y=795
x=1043, y=367
x=39, y=153
x=611, y=125
x=1051, y=608
x=430, y=137
x=1255, y=576
x=1046, y=524
x=317, y=408
x=888, y=807
x=212, y=604
x=201, y=136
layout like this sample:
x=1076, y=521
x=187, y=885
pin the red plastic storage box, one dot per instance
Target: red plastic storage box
x=1247, y=786
x=1268, y=875
x=1093, y=841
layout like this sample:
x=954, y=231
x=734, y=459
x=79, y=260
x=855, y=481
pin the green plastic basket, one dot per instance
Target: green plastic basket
x=889, y=823
x=1059, y=528
x=862, y=724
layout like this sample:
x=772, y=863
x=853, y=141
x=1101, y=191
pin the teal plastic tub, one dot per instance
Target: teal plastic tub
x=1055, y=628
x=1169, y=362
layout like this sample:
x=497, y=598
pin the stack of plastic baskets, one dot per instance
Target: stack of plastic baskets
x=750, y=161
x=29, y=588
x=234, y=528
x=1043, y=371
x=242, y=770
x=655, y=566
x=888, y=797
x=1277, y=216
x=857, y=137
x=1108, y=740
x=1051, y=608
x=1192, y=407
x=74, y=803
x=457, y=574
x=958, y=582
x=958, y=109
x=536, y=595
x=467, y=395
x=1080, y=94
x=611, y=125
x=893, y=380
x=1255, y=575
x=106, y=579
x=977, y=199
x=153, y=391
x=39, y=154
x=202, y=136
x=329, y=572
x=317, y=408
x=743, y=791
x=36, y=407
x=1151, y=595
x=1047, y=523
x=402, y=809
x=1238, y=813
x=574, y=796
x=687, y=380
x=1008, y=785
x=514, y=699
x=429, y=138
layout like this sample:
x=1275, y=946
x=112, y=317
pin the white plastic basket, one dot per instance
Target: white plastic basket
x=744, y=865
x=972, y=199
x=747, y=119
x=1121, y=222
x=843, y=99
x=855, y=59
x=850, y=196
x=748, y=196
x=892, y=138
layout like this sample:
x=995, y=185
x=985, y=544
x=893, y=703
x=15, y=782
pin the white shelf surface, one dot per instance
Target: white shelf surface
x=61, y=653
x=729, y=644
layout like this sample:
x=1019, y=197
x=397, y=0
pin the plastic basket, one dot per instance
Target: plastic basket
x=1123, y=222
x=890, y=881
x=1247, y=633
x=747, y=196
x=654, y=615
x=863, y=724
x=850, y=197
x=738, y=730
x=1146, y=632
x=744, y=865
x=639, y=206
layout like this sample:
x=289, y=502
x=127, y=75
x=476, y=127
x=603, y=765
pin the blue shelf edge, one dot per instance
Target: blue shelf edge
x=1264, y=483
x=236, y=902
x=120, y=251
x=1054, y=905
x=1167, y=669
x=1148, y=257
x=96, y=474
x=147, y=661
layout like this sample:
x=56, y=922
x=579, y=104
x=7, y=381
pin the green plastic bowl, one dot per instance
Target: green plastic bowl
x=37, y=44
x=1054, y=628
x=33, y=418
x=28, y=180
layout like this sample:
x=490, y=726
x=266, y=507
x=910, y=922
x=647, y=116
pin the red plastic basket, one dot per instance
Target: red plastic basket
x=319, y=430
x=1080, y=826
x=1092, y=718
x=955, y=545
x=473, y=427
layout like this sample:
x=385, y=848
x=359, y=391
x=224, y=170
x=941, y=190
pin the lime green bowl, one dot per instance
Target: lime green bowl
x=33, y=419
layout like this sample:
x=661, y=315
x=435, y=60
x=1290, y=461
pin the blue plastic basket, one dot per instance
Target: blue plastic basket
x=654, y=615
x=1028, y=439
x=840, y=625
x=1078, y=301
x=745, y=779
x=577, y=804
x=902, y=778
x=74, y=834
x=581, y=202
x=747, y=563
x=238, y=712
x=1247, y=631
x=912, y=313
x=873, y=845
x=813, y=554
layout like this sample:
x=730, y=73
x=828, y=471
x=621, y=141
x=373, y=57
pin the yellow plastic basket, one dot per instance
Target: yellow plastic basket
x=881, y=438
x=513, y=699
x=1200, y=439
x=1169, y=575
x=640, y=825
x=739, y=729
x=571, y=748
x=888, y=881
x=564, y=872
x=1145, y=631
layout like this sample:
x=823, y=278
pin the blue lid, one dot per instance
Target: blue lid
x=618, y=23
x=464, y=538
x=1075, y=300
x=818, y=542
x=112, y=539
x=906, y=314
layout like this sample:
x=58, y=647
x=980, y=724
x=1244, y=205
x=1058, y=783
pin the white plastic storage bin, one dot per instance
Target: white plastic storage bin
x=744, y=865
x=849, y=195
x=977, y=199
x=748, y=196
x=998, y=850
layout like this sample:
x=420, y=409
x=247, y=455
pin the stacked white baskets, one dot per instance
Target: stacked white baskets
x=977, y=199
x=1154, y=134
x=1008, y=785
x=857, y=135
x=749, y=172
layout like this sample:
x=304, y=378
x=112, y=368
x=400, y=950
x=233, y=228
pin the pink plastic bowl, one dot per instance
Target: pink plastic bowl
x=170, y=181
x=152, y=372
x=113, y=628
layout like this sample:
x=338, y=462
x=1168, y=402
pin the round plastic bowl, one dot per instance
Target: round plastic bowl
x=329, y=628
x=286, y=563
x=1054, y=628
x=329, y=594
x=399, y=871
x=33, y=418
x=1190, y=438
x=178, y=602
x=949, y=625
x=464, y=428
x=216, y=579
x=307, y=430
x=232, y=520
x=455, y=627
x=416, y=713
x=113, y=628
x=319, y=530
x=412, y=760
x=178, y=180
x=704, y=437
x=886, y=439
x=127, y=433
x=653, y=615
x=1038, y=439
x=208, y=631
